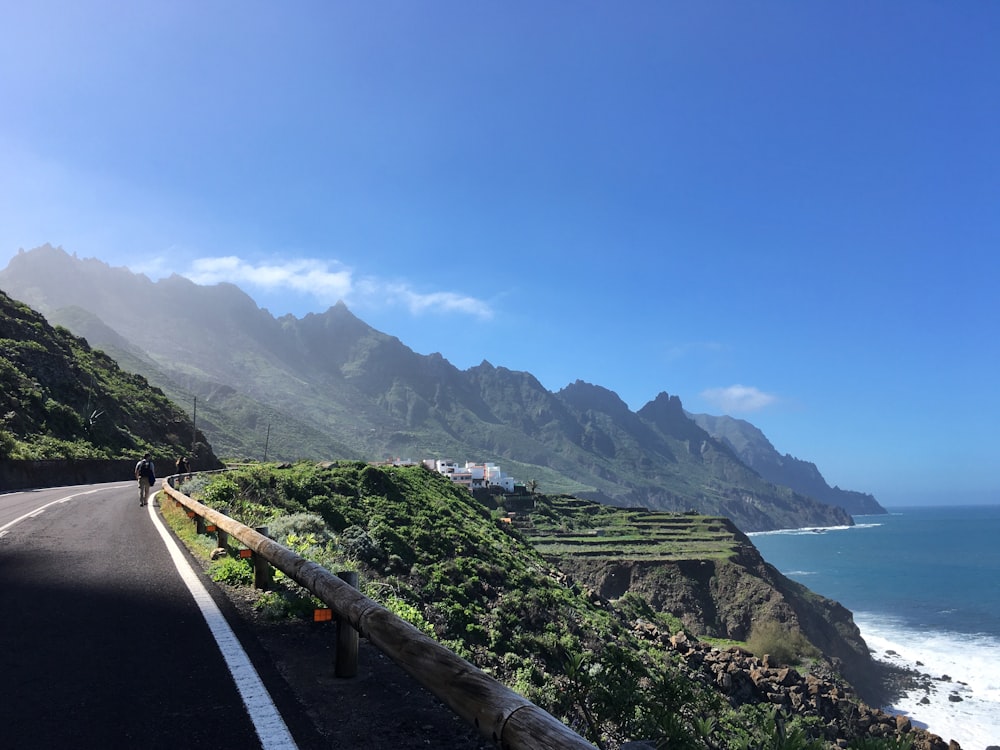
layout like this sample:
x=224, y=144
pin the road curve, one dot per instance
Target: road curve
x=103, y=645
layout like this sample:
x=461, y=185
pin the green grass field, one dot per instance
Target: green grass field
x=570, y=527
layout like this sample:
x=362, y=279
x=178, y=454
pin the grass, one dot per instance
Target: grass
x=285, y=599
x=571, y=527
x=176, y=517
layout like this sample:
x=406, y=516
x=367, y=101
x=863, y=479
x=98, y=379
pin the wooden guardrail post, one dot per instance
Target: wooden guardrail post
x=347, y=636
x=199, y=524
x=261, y=567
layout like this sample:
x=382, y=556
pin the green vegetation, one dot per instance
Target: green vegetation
x=471, y=578
x=567, y=526
x=232, y=570
x=784, y=646
x=61, y=399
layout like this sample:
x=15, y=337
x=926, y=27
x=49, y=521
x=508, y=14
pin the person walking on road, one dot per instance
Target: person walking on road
x=146, y=475
x=182, y=469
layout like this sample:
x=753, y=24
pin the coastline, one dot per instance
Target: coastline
x=914, y=583
x=941, y=683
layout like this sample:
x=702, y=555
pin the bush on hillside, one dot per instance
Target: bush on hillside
x=300, y=525
x=783, y=645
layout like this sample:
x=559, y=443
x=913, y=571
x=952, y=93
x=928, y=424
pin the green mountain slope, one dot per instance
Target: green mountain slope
x=574, y=604
x=240, y=426
x=61, y=399
x=330, y=386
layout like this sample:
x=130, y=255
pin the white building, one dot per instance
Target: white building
x=473, y=476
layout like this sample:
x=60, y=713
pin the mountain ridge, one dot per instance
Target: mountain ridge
x=334, y=387
x=751, y=446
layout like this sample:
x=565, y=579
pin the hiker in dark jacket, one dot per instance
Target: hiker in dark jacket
x=146, y=475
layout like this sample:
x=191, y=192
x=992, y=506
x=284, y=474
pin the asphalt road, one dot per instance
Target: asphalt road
x=102, y=643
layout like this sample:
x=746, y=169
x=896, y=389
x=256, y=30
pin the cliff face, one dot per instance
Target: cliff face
x=744, y=679
x=723, y=598
x=755, y=450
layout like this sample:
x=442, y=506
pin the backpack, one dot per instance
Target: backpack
x=144, y=470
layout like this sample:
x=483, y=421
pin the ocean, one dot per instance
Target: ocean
x=924, y=586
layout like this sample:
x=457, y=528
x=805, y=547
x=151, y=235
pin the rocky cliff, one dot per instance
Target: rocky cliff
x=724, y=598
x=701, y=570
x=746, y=679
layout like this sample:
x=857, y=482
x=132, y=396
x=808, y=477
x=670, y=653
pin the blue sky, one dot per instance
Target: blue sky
x=787, y=212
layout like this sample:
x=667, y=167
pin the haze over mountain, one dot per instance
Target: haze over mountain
x=61, y=399
x=330, y=386
x=756, y=451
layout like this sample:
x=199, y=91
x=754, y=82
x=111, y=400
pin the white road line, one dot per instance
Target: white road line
x=38, y=511
x=271, y=728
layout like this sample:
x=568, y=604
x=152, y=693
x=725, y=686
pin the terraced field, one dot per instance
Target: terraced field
x=570, y=527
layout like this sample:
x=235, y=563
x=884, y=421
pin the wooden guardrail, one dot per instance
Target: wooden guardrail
x=500, y=714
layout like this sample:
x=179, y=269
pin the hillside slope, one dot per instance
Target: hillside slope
x=61, y=399
x=615, y=663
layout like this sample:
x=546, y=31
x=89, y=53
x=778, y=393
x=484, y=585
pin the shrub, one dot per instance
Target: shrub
x=359, y=545
x=221, y=492
x=408, y=612
x=784, y=645
x=904, y=742
x=757, y=725
x=231, y=570
x=225, y=495
x=301, y=525
x=279, y=605
x=195, y=486
x=271, y=604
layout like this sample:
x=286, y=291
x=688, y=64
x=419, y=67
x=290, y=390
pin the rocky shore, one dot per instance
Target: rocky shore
x=745, y=678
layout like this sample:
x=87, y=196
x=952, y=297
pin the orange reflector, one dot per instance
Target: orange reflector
x=190, y=514
x=322, y=615
x=210, y=528
x=246, y=553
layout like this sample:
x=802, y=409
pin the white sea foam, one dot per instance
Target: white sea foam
x=813, y=530
x=969, y=661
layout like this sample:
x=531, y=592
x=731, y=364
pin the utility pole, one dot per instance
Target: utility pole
x=194, y=426
x=267, y=438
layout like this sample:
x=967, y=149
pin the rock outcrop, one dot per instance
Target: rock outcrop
x=744, y=678
x=723, y=598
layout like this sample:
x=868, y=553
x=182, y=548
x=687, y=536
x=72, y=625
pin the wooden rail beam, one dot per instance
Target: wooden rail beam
x=508, y=719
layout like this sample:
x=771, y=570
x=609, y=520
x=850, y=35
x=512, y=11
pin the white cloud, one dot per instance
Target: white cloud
x=329, y=282
x=442, y=302
x=738, y=398
x=681, y=351
x=307, y=276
